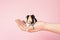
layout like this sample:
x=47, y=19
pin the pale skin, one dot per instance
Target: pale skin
x=39, y=26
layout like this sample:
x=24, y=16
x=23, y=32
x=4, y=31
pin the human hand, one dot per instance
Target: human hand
x=37, y=27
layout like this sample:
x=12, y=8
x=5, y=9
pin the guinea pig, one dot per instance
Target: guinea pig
x=30, y=20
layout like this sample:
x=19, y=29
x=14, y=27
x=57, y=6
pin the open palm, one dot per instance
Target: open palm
x=37, y=27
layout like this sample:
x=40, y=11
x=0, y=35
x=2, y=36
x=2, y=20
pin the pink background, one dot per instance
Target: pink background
x=10, y=10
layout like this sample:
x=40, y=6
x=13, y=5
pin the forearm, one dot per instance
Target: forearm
x=39, y=26
x=53, y=27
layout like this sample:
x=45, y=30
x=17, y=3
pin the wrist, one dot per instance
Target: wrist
x=41, y=25
x=45, y=26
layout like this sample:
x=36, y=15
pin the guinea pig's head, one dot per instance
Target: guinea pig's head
x=29, y=18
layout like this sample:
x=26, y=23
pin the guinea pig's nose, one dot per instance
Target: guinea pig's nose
x=29, y=20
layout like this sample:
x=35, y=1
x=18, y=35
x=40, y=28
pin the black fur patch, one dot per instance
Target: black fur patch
x=33, y=18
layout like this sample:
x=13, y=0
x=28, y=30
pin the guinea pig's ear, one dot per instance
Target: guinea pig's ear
x=32, y=15
x=27, y=16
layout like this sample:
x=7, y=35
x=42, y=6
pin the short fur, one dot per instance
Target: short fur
x=34, y=20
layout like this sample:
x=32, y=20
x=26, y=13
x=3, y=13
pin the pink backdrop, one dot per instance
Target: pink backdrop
x=10, y=10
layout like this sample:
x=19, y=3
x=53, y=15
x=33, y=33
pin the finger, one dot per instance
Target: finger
x=18, y=21
x=21, y=24
x=24, y=21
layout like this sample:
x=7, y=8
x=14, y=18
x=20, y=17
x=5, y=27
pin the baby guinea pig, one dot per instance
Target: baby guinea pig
x=30, y=20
